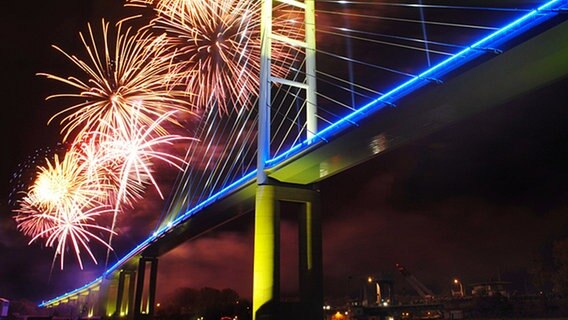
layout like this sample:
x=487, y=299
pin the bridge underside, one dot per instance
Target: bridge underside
x=518, y=71
x=485, y=84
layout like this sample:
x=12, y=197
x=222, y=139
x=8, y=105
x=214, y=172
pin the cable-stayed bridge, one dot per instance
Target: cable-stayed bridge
x=367, y=76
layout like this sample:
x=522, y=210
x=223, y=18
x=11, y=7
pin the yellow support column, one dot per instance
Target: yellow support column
x=108, y=295
x=266, y=286
x=266, y=273
x=311, y=282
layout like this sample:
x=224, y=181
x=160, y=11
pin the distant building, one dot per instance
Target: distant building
x=378, y=292
x=490, y=289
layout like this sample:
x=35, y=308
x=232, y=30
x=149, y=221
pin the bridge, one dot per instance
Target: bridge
x=361, y=113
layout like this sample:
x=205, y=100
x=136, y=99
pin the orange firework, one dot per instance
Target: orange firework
x=218, y=48
x=131, y=73
x=60, y=206
x=63, y=184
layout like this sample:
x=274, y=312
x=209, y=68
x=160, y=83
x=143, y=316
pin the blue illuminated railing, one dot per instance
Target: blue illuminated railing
x=513, y=29
x=510, y=30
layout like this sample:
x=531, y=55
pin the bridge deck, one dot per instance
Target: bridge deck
x=469, y=86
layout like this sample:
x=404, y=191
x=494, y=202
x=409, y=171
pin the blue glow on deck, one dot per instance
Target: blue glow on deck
x=72, y=293
x=510, y=30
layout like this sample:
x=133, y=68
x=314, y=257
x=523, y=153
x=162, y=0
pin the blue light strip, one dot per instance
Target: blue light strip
x=515, y=28
x=246, y=179
x=69, y=294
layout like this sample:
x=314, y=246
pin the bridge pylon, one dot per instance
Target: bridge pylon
x=269, y=194
x=266, y=276
x=266, y=78
x=145, y=295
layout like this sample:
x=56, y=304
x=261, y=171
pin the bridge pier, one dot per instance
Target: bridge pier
x=266, y=277
x=108, y=295
x=129, y=294
x=125, y=295
x=145, y=296
x=116, y=295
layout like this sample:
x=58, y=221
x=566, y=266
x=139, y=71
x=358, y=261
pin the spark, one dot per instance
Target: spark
x=131, y=73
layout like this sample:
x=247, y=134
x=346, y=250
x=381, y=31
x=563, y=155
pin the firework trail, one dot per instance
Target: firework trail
x=119, y=77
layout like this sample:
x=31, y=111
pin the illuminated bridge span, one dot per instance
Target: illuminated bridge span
x=387, y=72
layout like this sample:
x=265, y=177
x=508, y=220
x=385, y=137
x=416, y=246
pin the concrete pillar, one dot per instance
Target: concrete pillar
x=120, y=293
x=266, y=277
x=263, y=144
x=266, y=274
x=139, y=287
x=131, y=286
x=125, y=294
x=145, y=310
x=311, y=275
x=108, y=295
x=152, y=292
x=311, y=92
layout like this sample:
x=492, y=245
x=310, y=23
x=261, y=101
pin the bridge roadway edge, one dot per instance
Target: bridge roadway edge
x=494, y=82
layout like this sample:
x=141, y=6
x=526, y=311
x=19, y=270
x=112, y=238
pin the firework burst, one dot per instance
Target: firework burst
x=26, y=172
x=218, y=48
x=73, y=228
x=62, y=184
x=130, y=73
x=135, y=146
x=32, y=219
x=60, y=206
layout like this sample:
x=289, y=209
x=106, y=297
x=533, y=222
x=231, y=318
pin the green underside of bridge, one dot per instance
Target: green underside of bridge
x=493, y=81
x=518, y=71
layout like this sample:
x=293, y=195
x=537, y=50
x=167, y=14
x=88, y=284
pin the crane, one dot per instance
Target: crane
x=420, y=288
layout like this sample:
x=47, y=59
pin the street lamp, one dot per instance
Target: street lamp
x=457, y=288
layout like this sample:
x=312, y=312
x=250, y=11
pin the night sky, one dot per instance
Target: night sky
x=480, y=199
